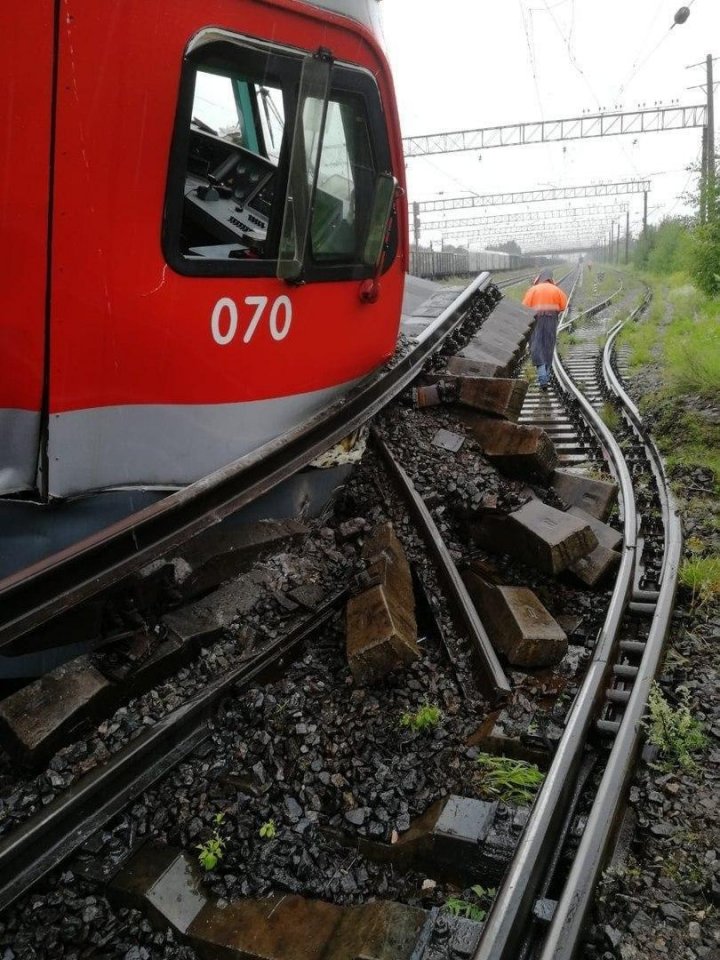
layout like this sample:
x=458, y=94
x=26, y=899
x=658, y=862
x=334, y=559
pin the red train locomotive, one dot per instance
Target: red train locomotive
x=203, y=232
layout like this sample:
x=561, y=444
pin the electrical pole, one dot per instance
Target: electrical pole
x=627, y=237
x=617, y=245
x=645, y=215
x=710, y=175
x=703, y=176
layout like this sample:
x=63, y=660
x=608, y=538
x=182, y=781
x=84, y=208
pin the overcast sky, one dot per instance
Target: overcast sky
x=462, y=64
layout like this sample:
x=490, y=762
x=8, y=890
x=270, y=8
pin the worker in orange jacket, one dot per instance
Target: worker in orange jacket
x=547, y=301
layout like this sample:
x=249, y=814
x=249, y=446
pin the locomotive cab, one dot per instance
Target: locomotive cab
x=212, y=193
x=232, y=163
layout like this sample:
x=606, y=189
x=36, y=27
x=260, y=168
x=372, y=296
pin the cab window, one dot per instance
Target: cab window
x=345, y=184
x=229, y=169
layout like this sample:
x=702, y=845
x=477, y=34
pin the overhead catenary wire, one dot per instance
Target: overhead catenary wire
x=533, y=62
x=569, y=34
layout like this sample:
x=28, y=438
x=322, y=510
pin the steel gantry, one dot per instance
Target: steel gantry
x=561, y=213
x=527, y=235
x=655, y=120
x=533, y=196
x=529, y=243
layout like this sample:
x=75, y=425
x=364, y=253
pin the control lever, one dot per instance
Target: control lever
x=208, y=193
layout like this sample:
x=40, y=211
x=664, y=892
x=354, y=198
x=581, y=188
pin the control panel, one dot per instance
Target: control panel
x=229, y=191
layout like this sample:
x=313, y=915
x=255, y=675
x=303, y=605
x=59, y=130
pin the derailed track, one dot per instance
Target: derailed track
x=31, y=598
x=544, y=882
x=47, y=839
x=517, y=924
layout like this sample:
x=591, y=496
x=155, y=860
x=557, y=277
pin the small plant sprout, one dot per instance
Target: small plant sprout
x=212, y=850
x=463, y=908
x=512, y=781
x=268, y=831
x=427, y=717
x=675, y=732
x=467, y=908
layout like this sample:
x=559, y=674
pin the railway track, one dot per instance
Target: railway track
x=58, y=585
x=541, y=905
x=626, y=657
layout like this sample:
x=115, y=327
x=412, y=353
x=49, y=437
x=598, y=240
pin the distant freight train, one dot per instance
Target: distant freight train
x=446, y=263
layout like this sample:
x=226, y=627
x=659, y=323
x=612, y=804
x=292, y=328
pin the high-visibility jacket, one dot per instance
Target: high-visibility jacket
x=545, y=298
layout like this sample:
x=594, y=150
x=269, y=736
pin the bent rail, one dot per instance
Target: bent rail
x=53, y=586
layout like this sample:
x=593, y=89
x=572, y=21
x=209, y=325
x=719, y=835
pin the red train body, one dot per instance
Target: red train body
x=193, y=197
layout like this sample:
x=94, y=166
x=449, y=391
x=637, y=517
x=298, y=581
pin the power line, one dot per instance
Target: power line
x=533, y=62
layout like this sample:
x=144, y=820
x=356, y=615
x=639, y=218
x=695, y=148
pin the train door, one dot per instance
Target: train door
x=26, y=78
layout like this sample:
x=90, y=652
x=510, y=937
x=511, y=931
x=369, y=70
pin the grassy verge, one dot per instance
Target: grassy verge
x=516, y=292
x=602, y=288
x=680, y=334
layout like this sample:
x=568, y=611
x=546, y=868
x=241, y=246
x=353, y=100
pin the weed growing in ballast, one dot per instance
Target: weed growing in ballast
x=427, y=717
x=512, y=781
x=675, y=732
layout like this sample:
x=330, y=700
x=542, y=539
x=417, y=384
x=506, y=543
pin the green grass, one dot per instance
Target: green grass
x=702, y=576
x=427, y=717
x=686, y=438
x=642, y=339
x=609, y=283
x=512, y=781
x=680, y=334
x=643, y=335
x=610, y=416
x=692, y=344
x=674, y=731
x=566, y=339
x=516, y=292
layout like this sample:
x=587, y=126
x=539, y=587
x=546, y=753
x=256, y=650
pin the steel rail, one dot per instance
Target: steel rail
x=501, y=284
x=563, y=937
x=496, y=679
x=590, y=312
x=48, y=838
x=505, y=928
x=34, y=596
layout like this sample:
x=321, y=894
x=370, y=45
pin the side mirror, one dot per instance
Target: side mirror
x=385, y=187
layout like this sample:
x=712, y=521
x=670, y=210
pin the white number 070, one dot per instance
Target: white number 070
x=224, y=320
